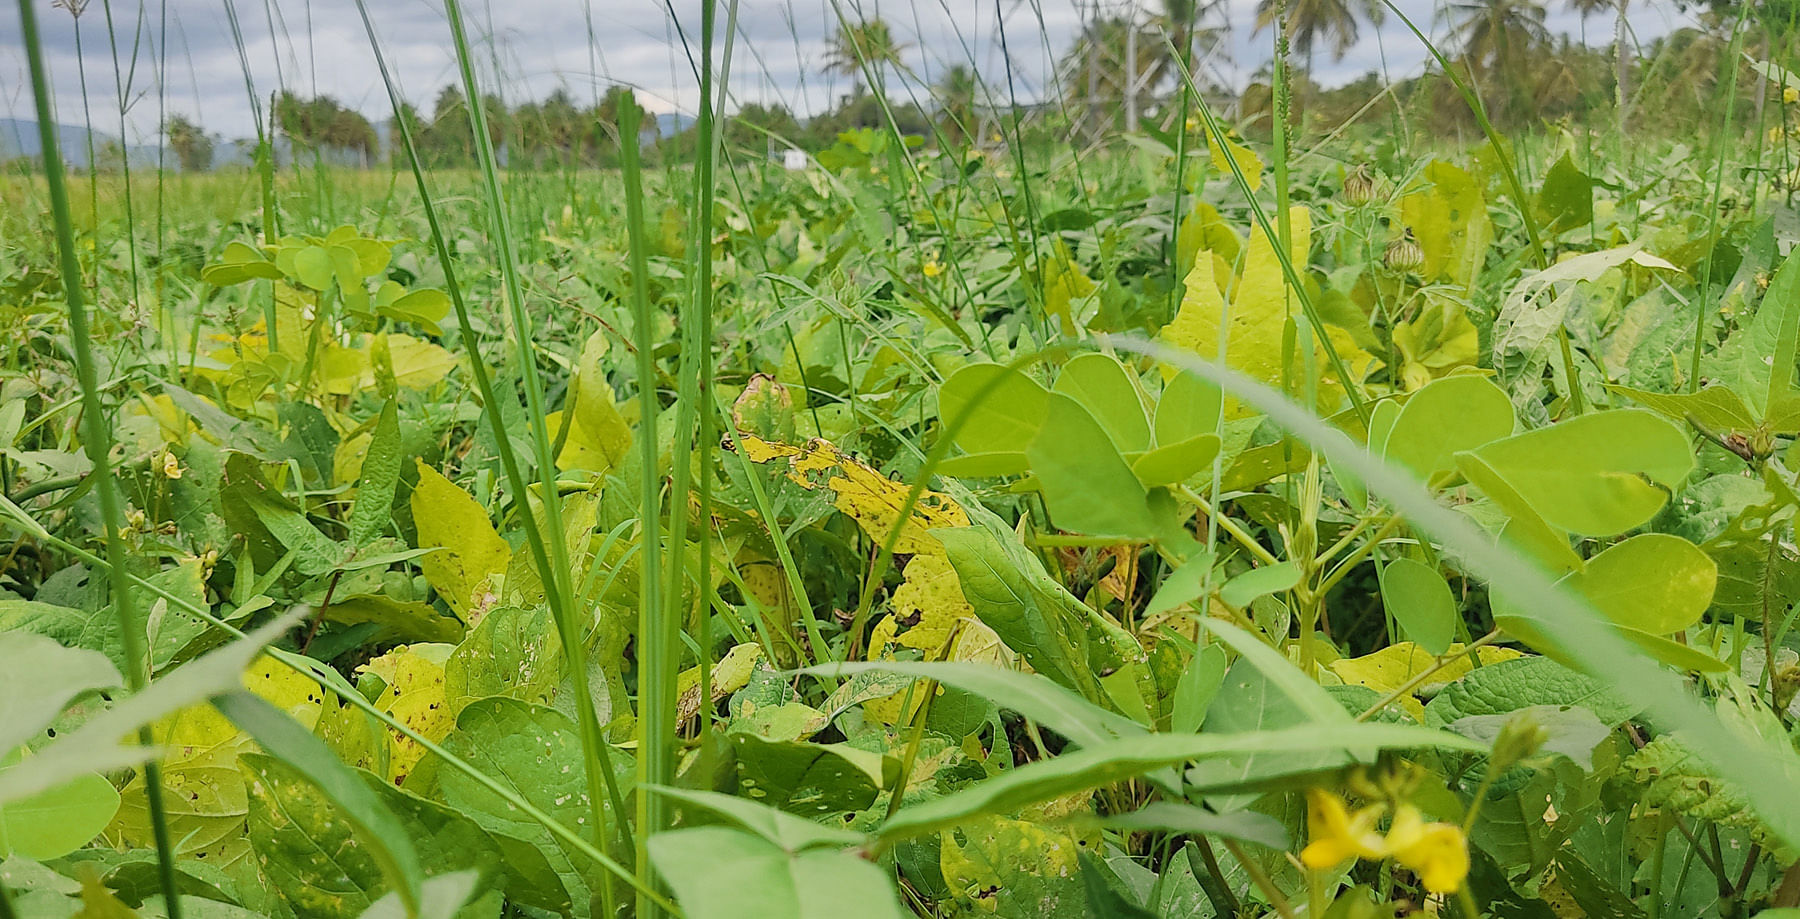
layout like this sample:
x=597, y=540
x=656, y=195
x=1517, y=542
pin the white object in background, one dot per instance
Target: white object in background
x=795, y=159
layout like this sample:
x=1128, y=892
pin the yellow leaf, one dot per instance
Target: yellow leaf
x=414, y=697
x=1438, y=341
x=598, y=436
x=1064, y=284
x=868, y=497
x=729, y=675
x=418, y=364
x=1397, y=664
x=203, y=791
x=1261, y=306
x=1247, y=160
x=1450, y=220
x=470, y=552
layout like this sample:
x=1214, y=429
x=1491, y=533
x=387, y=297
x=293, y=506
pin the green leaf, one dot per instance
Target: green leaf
x=1118, y=760
x=1523, y=682
x=536, y=753
x=1005, y=407
x=1569, y=730
x=1188, y=819
x=791, y=833
x=1596, y=475
x=443, y=895
x=1260, y=582
x=1013, y=595
x=54, y=822
x=1446, y=417
x=1031, y=695
x=1652, y=582
x=1190, y=406
x=383, y=836
x=374, y=505
x=1717, y=407
x=314, y=858
x=722, y=873
x=1178, y=461
x=96, y=747
x=1102, y=385
x=1250, y=702
x=1418, y=598
x=38, y=677
x=808, y=779
x=1087, y=484
x=1566, y=199
x=313, y=267
x=1783, y=299
x=511, y=652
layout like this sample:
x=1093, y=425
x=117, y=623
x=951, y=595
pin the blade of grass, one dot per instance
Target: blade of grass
x=656, y=764
x=97, y=441
x=596, y=751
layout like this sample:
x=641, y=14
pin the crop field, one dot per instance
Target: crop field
x=1190, y=500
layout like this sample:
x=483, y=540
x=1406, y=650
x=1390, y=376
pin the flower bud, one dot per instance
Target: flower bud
x=1404, y=254
x=1359, y=185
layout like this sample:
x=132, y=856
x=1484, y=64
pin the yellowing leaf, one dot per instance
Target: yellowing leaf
x=1261, y=306
x=1449, y=218
x=868, y=497
x=1206, y=231
x=1439, y=340
x=598, y=436
x=415, y=697
x=419, y=364
x=1064, y=284
x=931, y=600
x=1247, y=160
x=729, y=675
x=203, y=791
x=1397, y=664
x=470, y=552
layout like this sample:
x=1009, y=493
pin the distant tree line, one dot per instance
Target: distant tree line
x=1123, y=73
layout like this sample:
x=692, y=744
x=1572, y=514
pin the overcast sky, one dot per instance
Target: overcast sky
x=318, y=46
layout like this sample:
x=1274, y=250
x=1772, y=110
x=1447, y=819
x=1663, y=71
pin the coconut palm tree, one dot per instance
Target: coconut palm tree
x=1310, y=21
x=868, y=43
x=1495, y=35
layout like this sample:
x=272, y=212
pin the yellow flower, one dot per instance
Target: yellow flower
x=171, y=467
x=1775, y=134
x=1338, y=835
x=1790, y=95
x=932, y=268
x=1436, y=852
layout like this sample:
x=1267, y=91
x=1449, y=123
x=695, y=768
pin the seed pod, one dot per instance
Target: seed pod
x=1404, y=254
x=1359, y=185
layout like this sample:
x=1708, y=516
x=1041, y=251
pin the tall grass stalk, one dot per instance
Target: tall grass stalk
x=655, y=735
x=695, y=392
x=97, y=441
x=1721, y=142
